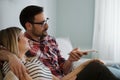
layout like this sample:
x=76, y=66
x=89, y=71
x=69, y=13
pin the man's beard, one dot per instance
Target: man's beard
x=41, y=36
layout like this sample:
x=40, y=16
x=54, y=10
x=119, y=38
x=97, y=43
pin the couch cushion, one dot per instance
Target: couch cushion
x=65, y=46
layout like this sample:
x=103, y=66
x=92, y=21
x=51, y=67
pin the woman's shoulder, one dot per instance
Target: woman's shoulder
x=37, y=70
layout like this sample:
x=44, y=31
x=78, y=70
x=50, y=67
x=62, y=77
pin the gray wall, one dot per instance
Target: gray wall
x=75, y=20
x=10, y=10
x=68, y=18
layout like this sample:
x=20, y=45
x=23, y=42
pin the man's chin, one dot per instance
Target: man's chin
x=45, y=33
x=43, y=36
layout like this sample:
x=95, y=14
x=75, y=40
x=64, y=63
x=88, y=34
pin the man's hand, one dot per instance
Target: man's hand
x=15, y=64
x=76, y=54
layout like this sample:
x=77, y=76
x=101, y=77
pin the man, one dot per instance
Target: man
x=36, y=28
x=46, y=49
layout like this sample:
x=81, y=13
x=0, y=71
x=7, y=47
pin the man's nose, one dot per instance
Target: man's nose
x=46, y=26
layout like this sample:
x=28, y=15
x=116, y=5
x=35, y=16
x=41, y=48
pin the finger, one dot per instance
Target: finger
x=28, y=77
x=85, y=53
x=89, y=51
x=15, y=72
x=78, y=53
x=21, y=75
x=75, y=56
x=23, y=72
x=75, y=49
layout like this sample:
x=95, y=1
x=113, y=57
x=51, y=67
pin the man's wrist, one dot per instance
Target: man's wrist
x=10, y=56
x=69, y=61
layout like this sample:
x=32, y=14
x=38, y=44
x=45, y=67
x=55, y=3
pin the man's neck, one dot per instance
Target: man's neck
x=36, y=38
x=33, y=37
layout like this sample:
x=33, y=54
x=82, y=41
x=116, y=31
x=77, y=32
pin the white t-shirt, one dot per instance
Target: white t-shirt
x=37, y=70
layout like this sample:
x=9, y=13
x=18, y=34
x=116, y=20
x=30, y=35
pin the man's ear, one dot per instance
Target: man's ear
x=28, y=26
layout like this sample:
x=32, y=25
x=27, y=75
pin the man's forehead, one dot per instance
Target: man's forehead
x=39, y=16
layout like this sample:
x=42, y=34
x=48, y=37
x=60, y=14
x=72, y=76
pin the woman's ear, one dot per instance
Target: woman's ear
x=28, y=26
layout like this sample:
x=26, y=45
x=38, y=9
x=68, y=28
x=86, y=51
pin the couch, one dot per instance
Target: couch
x=65, y=46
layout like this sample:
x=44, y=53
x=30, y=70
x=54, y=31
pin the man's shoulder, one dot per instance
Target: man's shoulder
x=49, y=37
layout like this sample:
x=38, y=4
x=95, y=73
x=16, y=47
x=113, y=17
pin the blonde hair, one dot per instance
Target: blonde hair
x=9, y=39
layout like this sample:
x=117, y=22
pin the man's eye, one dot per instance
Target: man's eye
x=42, y=23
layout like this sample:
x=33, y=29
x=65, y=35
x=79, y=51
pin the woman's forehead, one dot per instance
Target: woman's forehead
x=21, y=33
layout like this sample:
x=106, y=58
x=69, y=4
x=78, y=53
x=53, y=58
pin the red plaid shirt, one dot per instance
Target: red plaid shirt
x=48, y=53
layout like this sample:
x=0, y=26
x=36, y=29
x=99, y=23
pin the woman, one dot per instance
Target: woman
x=13, y=40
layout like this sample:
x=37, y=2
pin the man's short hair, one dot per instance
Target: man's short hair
x=28, y=14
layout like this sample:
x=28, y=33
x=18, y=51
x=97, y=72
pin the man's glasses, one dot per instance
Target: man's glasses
x=40, y=23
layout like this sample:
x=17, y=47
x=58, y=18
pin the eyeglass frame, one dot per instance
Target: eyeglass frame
x=40, y=23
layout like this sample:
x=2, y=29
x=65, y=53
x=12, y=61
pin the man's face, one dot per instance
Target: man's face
x=39, y=26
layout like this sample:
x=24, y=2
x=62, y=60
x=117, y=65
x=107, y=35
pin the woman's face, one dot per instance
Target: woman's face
x=23, y=44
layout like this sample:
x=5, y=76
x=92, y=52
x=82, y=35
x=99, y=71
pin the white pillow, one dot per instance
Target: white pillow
x=65, y=46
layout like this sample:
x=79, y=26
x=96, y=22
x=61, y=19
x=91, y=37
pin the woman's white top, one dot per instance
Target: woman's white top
x=37, y=70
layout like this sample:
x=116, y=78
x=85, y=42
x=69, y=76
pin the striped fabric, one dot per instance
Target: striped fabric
x=48, y=52
x=10, y=76
x=36, y=69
